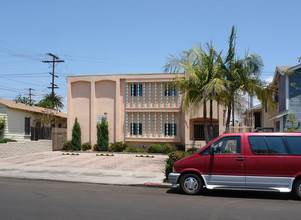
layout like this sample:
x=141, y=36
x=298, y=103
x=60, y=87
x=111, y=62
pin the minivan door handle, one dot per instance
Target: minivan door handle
x=240, y=158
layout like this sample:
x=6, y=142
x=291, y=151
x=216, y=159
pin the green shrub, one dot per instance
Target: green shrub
x=76, y=136
x=155, y=148
x=293, y=129
x=2, y=125
x=95, y=147
x=180, y=147
x=192, y=150
x=102, y=135
x=67, y=146
x=5, y=140
x=172, y=158
x=134, y=149
x=86, y=146
x=117, y=147
x=168, y=148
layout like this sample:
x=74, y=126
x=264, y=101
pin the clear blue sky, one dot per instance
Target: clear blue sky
x=134, y=36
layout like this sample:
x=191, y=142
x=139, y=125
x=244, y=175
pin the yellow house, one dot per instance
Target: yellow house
x=140, y=109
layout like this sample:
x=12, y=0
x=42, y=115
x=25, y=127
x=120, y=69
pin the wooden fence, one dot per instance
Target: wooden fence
x=57, y=135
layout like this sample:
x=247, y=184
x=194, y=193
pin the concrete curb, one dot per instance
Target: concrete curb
x=149, y=185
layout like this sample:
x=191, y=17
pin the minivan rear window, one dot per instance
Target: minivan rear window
x=267, y=145
x=294, y=144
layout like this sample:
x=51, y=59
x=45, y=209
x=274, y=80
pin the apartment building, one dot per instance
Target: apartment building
x=141, y=109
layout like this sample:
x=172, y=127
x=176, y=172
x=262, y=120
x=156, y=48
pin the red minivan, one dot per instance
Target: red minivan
x=243, y=161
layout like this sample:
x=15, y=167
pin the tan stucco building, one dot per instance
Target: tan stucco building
x=139, y=108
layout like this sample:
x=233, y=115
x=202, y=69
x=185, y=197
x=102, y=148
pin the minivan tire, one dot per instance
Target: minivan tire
x=297, y=189
x=191, y=184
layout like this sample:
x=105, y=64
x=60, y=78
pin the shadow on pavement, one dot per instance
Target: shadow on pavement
x=238, y=194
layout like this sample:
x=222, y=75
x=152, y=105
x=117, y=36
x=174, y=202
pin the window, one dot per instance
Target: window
x=205, y=152
x=294, y=145
x=171, y=91
x=170, y=130
x=227, y=145
x=27, y=126
x=134, y=89
x=199, y=134
x=276, y=145
x=134, y=129
x=267, y=145
x=258, y=145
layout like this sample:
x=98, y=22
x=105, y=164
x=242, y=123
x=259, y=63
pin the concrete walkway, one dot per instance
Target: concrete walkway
x=121, y=169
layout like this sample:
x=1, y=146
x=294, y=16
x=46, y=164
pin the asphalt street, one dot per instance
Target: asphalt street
x=40, y=199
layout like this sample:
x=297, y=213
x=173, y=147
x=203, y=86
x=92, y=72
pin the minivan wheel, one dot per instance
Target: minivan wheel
x=297, y=189
x=191, y=184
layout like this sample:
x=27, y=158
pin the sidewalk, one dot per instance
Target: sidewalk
x=120, y=169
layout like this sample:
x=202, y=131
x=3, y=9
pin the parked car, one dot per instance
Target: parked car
x=243, y=161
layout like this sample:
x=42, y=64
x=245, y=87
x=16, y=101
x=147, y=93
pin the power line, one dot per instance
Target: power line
x=20, y=81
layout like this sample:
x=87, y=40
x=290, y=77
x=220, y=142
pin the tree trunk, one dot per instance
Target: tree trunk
x=205, y=122
x=233, y=121
x=211, y=121
x=228, y=118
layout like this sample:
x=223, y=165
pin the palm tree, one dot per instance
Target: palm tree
x=48, y=102
x=202, y=81
x=241, y=75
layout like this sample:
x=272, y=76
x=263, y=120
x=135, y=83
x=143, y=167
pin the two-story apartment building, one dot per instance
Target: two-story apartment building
x=287, y=80
x=140, y=109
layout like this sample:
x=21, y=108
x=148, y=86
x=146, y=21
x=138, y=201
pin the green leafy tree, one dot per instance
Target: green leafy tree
x=103, y=135
x=202, y=81
x=291, y=118
x=76, y=141
x=48, y=102
x=22, y=99
x=241, y=75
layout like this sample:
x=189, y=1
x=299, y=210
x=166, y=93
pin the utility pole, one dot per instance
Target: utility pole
x=30, y=94
x=54, y=60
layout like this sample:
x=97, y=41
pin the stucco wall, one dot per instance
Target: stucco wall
x=13, y=149
x=92, y=96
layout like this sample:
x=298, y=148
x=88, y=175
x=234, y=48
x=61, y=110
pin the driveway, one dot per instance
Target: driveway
x=86, y=167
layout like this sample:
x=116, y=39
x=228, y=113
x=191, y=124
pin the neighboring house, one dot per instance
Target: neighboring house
x=260, y=119
x=287, y=81
x=140, y=110
x=20, y=118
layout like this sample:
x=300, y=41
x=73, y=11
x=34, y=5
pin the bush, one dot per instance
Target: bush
x=2, y=125
x=172, y=158
x=95, y=147
x=155, y=148
x=192, y=150
x=180, y=147
x=117, y=147
x=168, y=148
x=76, y=136
x=293, y=129
x=102, y=135
x=134, y=149
x=67, y=146
x=5, y=140
x=86, y=146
